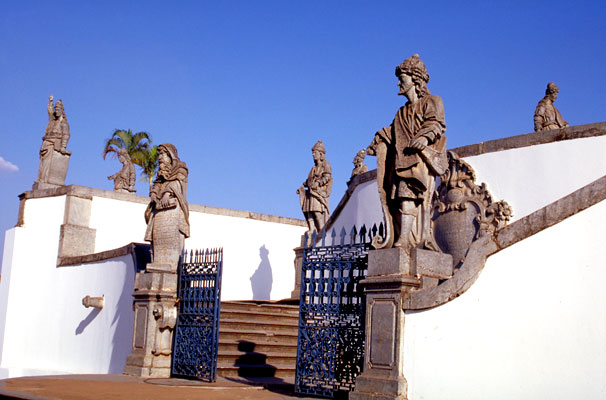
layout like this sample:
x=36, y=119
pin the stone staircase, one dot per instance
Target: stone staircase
x=257, y=340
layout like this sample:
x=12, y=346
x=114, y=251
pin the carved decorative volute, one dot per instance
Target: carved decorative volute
x=464, y=211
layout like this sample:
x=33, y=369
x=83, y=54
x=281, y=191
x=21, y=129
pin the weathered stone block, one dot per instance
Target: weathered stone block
x=389, y=262
x=432, y=263
x=75, y=240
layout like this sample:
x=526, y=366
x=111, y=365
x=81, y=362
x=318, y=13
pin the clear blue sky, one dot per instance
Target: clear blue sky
x=245, y=88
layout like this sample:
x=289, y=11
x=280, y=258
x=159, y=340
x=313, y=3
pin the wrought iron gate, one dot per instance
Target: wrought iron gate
x=330, y=349
x=196, y=338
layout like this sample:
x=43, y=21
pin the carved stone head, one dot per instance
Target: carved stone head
x=359, y=158
x=318, y=151
x=414, y=68
x=552, y=91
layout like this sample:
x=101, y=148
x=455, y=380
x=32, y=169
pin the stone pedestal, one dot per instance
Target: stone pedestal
x=391, y=274
x=155, y=296
x=296, y=293
x=53, y=171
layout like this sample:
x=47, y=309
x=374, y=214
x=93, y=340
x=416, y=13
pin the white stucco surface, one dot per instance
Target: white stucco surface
x=45, y=329
x=531, y=327
x=530, y=178
x=363, y=208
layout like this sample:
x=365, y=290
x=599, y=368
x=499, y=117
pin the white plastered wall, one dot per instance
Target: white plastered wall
x=531, y=327
x=529, y=178
x=45, y=329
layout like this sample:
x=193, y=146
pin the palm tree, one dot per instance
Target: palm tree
x=149, y=166
x=137, y=145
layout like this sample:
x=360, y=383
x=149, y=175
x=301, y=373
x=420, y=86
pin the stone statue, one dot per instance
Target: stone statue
x=546, y=115
x=124, y=180
x=358, y=162
x=54, y=156
x=167, y=214
x=410, y=152
x=314, y=193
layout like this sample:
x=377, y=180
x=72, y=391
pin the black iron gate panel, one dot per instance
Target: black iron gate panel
x=330, y=349
x=199, y=301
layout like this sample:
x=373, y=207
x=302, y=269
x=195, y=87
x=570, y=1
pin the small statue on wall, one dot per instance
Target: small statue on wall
x=54, y=156
x=546, y=115
x=411, y=153
x=359, y=166
x=314, y=193
x=124, y=180
x=167, y=214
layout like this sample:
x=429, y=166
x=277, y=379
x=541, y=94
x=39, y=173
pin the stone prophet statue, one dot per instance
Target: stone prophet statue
x=546, y=115
x=358, y=162
x=314, y=193
x=124, y=180
x=167, y=214
x=411, y=153
x=53, y=153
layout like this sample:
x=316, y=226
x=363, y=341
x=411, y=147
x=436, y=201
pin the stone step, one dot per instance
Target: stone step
x=261, y=307
x=257, y=358
x=251, y=325
x=256, y=370
x=261, y=346
x=237, y=334
x=259, y=316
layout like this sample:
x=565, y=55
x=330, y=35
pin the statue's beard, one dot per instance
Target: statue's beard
x=163, y=171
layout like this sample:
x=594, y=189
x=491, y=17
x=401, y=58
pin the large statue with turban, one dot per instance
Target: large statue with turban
x=410, y=152
x=167, y=214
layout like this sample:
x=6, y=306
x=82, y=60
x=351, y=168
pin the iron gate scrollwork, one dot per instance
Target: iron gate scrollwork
x=330, y=349
x=196, y=338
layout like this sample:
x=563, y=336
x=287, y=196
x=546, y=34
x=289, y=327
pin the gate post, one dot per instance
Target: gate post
x=392, y=273
x=155, y=296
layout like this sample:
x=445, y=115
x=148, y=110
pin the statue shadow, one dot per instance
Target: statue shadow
x=86, y=321
x=261, y=280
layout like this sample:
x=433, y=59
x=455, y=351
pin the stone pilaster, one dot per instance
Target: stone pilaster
x=155, y=297
x=76, y=238
x=296, y=293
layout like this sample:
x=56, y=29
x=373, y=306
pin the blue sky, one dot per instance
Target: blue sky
x=244, y=89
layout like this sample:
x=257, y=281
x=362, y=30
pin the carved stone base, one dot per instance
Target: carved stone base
x=55, y=172
x=154, y=298
x=379, y=388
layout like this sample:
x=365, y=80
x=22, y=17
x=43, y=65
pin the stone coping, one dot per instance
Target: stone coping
x=139, y=251
x=89, y=193
x=531, y=139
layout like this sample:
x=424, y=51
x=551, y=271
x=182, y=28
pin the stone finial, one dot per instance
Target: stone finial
x=411, y=153
x=54, y=157
x=546, y=115
x=167, y=214
x=124, y=180
x=314, y=193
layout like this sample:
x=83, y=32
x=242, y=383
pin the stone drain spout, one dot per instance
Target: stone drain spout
x=97, y=302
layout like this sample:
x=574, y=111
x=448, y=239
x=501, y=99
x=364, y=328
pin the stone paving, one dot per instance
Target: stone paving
x=97, y=387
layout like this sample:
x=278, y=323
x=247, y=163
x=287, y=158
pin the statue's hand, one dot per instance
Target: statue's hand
x=165, y=201
x=50, y=98
x=418, y=143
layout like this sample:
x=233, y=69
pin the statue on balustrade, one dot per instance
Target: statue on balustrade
x=546, y=115
x=411, y=153
x=54, y=156
x=314, y=193
x=359, y=166
x=167, y=214
x=124, y=180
